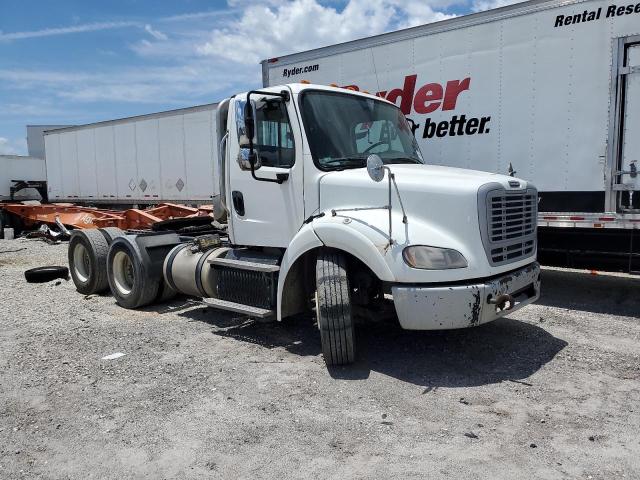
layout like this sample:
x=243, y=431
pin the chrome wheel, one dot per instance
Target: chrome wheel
x=123, y=273
x=81, y=263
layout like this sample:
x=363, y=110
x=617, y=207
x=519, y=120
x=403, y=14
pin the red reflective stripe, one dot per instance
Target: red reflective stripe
x=607, y=219
x=576, y=218
x=550, y=218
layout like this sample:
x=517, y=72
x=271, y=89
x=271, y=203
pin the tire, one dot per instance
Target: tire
x=46, y=274
x=111, y=233
x=129, y=280
x=333, y=308
x=87, y=255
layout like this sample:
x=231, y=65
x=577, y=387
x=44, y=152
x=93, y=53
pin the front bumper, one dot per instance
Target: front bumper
x=467, y=305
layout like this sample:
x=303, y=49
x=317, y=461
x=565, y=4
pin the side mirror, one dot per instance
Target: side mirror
x=247, y=157
x=249, y=121
x=375, y=167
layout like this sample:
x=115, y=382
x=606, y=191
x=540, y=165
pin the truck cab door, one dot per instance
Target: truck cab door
x=265, y=213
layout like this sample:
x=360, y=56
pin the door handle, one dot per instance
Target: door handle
x=238, y=202
x=633, y=170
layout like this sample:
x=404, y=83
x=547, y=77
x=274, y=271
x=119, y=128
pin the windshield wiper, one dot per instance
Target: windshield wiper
x=401, y=160
x=345, y=161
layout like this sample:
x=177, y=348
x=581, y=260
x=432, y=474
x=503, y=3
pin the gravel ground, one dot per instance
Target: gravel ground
x=550, y=392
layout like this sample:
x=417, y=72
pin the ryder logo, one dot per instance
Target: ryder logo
x=431, y=97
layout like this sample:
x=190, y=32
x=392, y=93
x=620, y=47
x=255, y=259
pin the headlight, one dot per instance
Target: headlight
x=433, y=258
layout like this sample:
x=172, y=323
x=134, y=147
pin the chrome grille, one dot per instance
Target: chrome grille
x=509, y=224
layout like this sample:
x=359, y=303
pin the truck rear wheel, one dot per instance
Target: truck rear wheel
x=111, y=233
x=129, y=281
x=333, y=308
x=87, y=255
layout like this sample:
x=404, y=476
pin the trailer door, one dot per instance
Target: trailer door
x=626, y=141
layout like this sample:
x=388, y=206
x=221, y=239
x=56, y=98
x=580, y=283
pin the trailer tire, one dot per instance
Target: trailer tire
x=333, y=308
x=128, y=277
x=111, y=233
x=46, y=274
x=87, y=255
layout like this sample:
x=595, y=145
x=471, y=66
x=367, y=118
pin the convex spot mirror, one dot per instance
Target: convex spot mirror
x=375, y=167
x=244, y=159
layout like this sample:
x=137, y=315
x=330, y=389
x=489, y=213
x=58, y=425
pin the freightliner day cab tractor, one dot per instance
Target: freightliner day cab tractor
x=324, y=200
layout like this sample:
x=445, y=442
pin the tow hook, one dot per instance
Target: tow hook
x=501, y=302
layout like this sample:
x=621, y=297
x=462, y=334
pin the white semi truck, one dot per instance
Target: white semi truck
x=549, y=89
x=324, y=197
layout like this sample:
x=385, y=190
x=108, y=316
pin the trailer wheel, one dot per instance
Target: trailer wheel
x=87, y=255
x=111, y=233
x=333, y=308
x=128, y=276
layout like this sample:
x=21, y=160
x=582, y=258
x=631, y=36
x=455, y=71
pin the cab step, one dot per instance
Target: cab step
x=244, y=265
x=255, y=312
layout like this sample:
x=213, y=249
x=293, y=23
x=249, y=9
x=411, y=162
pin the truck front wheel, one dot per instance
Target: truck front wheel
x=333, y=308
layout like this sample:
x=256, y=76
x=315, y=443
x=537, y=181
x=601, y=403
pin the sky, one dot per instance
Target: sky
x=78, y=61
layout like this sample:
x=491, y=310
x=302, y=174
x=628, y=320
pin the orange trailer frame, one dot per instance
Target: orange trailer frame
x=74, y=216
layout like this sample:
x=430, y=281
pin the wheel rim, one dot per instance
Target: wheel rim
x=81, y=263
x=123, y=273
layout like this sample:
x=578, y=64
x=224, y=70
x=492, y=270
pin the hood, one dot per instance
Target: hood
x=441, y=205
x=424, y=184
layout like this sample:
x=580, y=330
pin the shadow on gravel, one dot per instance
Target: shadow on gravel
x=601, y=293
x=297, y=335
x=504, y=350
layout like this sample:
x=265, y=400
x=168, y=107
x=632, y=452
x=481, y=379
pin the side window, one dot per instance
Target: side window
x=274, y=138
x=274, y=135
x=377, y=137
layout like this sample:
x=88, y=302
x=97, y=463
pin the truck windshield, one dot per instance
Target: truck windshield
x=343, y=130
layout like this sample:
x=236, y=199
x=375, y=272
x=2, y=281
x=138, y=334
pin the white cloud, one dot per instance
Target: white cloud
x=278, y=27
x=481, y=5
x=157, y=34
x=97, y=26
x=419, y=13
x=48, y=32
x=13, y=147
x=175, y=84
x=198, y=15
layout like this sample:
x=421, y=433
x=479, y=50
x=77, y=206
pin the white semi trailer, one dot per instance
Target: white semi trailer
x=148, y=159
x=547, y=89
x=324, y=197
x=20, y=168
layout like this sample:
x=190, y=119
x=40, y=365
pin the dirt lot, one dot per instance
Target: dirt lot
x=551, y=392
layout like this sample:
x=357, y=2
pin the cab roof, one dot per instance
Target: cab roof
x=297, y=88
